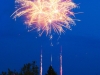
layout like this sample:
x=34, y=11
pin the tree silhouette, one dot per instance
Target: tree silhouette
x=29, y=69
x=9, y=72
x=3, y=73
x=51, y=71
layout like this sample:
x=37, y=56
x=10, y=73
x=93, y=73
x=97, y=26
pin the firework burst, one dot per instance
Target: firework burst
x=46, y=15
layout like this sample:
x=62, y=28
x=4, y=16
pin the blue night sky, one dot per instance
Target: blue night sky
x=80, y=46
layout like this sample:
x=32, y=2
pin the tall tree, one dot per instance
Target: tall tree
x=30, y=69
x=51, y=71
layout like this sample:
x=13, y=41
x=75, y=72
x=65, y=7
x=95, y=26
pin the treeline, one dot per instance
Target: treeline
x=29, y=69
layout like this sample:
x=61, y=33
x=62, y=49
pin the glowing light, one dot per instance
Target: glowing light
x=61, y=62
x=41, y=63
x=51, y=59
x=46, y=15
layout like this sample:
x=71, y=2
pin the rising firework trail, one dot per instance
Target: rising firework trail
x=51, y=59
x=46, y=15
x=41, y=63
x=61, y=61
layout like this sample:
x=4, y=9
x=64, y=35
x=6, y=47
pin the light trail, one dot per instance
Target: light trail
x=41, y=63
x=61, y=61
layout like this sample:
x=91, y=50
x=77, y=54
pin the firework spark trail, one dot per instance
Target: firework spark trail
x=46, y=15
x=51, y=59
x=41, y=63
x=61, y=62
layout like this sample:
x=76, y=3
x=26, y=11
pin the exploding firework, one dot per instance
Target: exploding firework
x=46, y=15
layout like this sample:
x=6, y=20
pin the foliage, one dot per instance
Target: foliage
x=27, y=69
x=51, y=71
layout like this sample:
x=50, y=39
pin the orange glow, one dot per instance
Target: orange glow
x=46, y=15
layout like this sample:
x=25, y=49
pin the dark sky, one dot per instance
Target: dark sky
x=81, y=45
